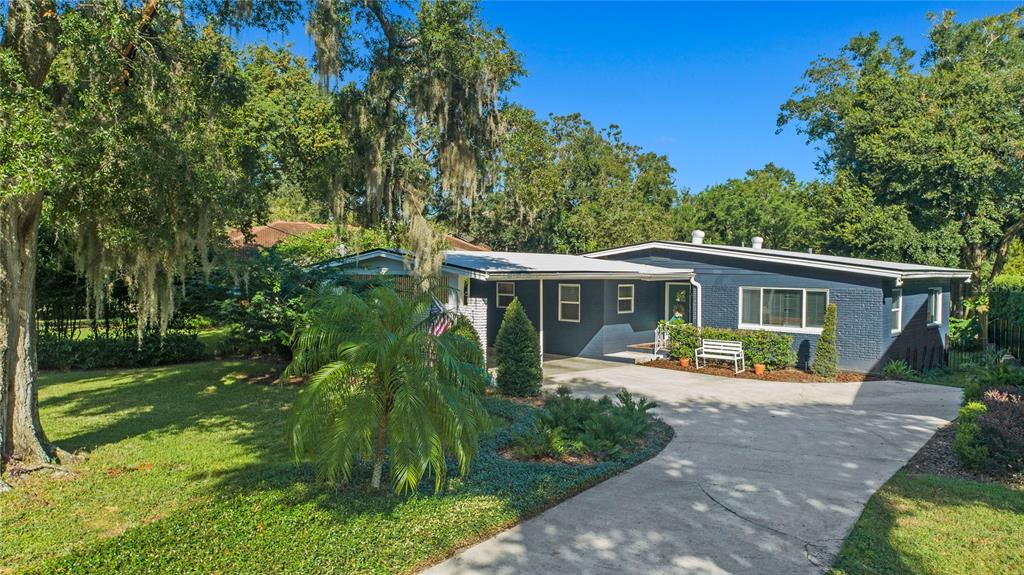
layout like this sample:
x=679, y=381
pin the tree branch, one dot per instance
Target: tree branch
x=388, y=27
x=131, y=49
x=1004, y=247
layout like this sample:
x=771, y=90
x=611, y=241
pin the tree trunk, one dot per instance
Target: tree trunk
x=21, y=435
x=378, y=452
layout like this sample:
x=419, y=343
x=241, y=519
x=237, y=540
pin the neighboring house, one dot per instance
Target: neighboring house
x=608, y=303
x=276, y=232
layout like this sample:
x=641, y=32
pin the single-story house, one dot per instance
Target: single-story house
x=607, y=304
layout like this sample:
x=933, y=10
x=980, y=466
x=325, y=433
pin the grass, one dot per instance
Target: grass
x=188, y=472
x=931, y=525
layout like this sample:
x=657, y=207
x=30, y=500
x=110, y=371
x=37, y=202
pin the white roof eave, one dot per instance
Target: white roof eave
x=855, y=269
x=567, y=275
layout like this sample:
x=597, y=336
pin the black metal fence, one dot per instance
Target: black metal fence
x=1003, y=337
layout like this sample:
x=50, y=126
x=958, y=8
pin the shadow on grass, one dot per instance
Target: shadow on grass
x=168, y=400
x=931, y=525
x=267, y=514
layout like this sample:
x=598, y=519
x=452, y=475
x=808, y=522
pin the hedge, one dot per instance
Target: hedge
x=773, y=349
x=102, y=352
x=1006, y=298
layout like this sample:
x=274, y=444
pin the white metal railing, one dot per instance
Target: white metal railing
x=662, y=341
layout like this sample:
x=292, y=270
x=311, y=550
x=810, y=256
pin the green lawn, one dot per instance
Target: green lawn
x=188, y=472
x=930, y=525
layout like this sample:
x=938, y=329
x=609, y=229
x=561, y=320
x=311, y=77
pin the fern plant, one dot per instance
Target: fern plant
x=386, y=384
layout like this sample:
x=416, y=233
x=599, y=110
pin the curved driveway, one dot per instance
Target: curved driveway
x=761, y=477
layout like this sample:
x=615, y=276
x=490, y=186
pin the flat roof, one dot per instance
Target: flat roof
x=821, y=261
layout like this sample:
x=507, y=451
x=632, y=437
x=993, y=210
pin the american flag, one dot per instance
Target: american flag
x=442, y=324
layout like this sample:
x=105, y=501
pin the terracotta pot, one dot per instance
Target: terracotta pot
x=684, y=361
x=759, y=369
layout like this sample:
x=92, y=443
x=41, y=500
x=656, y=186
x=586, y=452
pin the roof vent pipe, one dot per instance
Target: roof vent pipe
x=756, y=242
x=698, y=237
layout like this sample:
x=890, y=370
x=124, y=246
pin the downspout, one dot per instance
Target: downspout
x=540, y=330
x=695, y=284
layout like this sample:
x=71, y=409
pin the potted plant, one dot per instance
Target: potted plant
x=758, y=358
x=684, y=361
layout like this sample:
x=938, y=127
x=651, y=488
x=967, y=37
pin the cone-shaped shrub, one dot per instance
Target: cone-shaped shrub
x=826, y=356
x=518, y=350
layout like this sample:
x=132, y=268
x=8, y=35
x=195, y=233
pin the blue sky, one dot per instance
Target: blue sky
x=698, y=82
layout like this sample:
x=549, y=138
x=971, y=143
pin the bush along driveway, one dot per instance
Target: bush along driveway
x=761, y=478
x=188, y=472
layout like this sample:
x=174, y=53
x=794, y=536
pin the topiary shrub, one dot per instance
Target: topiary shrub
x=773, y=349
x=1001, y=429
x=967, y=442
x=518, y=354
x=826, y=356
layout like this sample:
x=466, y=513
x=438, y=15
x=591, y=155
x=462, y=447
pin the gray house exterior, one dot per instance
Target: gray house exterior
x=607, y=304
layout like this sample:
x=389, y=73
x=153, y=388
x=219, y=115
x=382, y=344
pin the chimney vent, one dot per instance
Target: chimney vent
x=756, y=242
x=698, y=237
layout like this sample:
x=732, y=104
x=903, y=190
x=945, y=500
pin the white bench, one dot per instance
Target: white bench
x=720, y=349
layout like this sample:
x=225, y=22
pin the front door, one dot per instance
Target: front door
x=677, y=301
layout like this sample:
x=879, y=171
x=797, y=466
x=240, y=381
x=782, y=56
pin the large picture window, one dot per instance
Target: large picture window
x=934, y=306
x=782, y=309
x=625, y=298
x=569, y=302
x=506, y=292
x=896, y=311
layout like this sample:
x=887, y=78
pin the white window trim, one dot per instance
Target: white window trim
x=631, y=299
x=898, y=309
x=803, y=329
x=937, y=291
x=578, y=303
x=498, y=295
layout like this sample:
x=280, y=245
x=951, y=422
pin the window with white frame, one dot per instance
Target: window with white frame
x=625, y=298
x=934, y=306
x=569, y=302
x=506, y=292
x=465, y=291
x=896, y=311
x=782, y=308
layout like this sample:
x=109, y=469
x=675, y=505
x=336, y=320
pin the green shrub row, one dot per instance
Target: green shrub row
x=101, y=352
x=773, y=349
x=967, y=442
x=1006, y=298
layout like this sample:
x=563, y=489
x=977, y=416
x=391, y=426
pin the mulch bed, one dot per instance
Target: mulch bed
x=790, y=374
x=937, y=458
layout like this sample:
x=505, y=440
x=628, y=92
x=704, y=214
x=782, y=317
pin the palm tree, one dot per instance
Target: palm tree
x=388, y=379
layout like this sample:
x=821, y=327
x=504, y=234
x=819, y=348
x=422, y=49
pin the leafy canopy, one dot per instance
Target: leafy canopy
x=939, y=136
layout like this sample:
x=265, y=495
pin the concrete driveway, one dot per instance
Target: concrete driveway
x=763, y=478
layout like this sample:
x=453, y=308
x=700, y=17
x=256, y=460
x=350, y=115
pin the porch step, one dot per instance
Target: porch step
x=629, y=356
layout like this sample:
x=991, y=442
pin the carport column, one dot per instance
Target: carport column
x=540, y=328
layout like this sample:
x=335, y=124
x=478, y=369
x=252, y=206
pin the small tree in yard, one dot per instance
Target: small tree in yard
x=390, y=382
x=518, y=349
x=826, y=357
